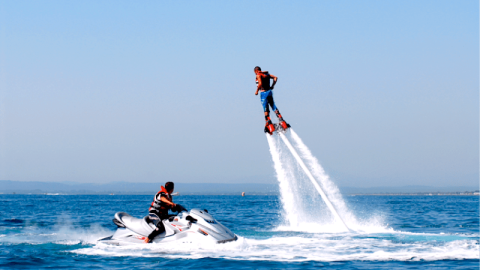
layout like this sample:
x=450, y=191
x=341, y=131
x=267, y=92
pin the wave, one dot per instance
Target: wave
x=274, y=245
x=303, y=248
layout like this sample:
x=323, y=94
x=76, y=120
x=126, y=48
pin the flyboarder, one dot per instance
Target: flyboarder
x=266, y=98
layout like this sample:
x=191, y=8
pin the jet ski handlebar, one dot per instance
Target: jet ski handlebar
x=179, y=208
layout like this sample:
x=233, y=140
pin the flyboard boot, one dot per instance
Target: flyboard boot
x=284, y=124
x=281, y=123
x=269, y=127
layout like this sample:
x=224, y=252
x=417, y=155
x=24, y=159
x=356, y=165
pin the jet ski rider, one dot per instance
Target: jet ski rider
x=266, y=98
x=162, y=202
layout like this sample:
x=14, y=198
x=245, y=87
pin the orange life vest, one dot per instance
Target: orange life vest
x=159, y=206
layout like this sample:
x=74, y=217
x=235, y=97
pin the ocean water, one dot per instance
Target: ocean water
x=391, y=232
x=309, y=225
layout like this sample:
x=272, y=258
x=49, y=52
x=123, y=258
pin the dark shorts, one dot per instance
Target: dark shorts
x=159, y=227
x=156, y=215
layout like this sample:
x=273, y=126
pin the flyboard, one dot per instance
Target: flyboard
x=281, y=128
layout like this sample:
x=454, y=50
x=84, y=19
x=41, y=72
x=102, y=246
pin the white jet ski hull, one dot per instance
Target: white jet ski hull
x=179, y=229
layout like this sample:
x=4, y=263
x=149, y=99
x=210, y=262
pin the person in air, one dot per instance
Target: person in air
x=162, y=202
x=266, y=98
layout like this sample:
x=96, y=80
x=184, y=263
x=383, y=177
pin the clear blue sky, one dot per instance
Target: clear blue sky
x=385, y=93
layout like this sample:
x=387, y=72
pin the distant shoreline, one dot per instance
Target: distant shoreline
x=240, y=195
x=131, y=188
x=135, y=194
x=420, y=194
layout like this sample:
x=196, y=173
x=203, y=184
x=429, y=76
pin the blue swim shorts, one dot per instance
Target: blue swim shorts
x=266, y=98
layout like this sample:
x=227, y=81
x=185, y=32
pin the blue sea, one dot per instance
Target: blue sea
x=408, y=232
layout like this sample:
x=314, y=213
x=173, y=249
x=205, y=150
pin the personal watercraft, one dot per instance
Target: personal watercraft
x=186, y=227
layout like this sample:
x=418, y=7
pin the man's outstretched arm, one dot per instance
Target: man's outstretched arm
x=163, y=199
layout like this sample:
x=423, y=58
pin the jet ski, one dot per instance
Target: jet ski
x=186, y=227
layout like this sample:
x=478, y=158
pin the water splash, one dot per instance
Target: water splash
x=303, y=208
x=318, y=247
x=63, y=232
x=286, y=179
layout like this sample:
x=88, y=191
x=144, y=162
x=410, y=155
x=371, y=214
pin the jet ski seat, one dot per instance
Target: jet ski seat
x=140, y=226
